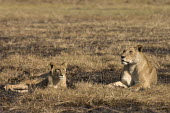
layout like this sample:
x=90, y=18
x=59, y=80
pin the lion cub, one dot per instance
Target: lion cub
x=57, y=77
x=138, y=72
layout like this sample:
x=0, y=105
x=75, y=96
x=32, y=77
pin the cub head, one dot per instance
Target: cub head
x=131, y=55
x=58, y=70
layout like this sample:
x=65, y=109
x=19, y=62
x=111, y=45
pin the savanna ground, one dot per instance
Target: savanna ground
x=89, y=35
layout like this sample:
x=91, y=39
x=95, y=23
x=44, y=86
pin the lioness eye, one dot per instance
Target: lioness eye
x=130, y=51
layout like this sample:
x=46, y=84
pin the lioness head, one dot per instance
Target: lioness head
x=58, y=70
x=131, y=55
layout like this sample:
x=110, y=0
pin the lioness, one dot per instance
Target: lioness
x=55, y=78
x=138, y=72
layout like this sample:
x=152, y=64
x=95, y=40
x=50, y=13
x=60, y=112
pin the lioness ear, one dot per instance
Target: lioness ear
x=64, y=64
x=51, y=65
x=139, y=48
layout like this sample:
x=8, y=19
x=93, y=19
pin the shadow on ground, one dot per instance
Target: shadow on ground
x=106, y=76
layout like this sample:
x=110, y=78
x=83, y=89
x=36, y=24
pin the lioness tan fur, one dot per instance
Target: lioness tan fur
x=138, y=72
x=56, y=78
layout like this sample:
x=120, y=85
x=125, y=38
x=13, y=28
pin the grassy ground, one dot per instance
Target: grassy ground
x=90, y=36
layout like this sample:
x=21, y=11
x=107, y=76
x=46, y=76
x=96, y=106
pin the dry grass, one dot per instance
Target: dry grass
x=90, y=36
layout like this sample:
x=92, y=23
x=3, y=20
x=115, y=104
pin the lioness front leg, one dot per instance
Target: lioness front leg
x=50, y=81
x=21, y=88
x=120, y=84
x=117, y=84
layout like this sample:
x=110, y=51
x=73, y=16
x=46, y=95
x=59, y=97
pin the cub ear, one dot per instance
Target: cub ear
x=51, y=65
x=139, y=48
x=64, y=64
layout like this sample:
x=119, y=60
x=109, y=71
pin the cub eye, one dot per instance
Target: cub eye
x=130, y=51
x=124, y=51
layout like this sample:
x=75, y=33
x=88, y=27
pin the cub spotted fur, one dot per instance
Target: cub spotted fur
x=138, y=72
x=57, y=77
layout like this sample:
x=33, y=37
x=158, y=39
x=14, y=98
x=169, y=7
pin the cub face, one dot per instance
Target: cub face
x=131, y=55
x=58, y=71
